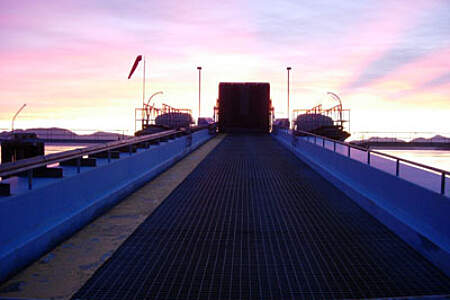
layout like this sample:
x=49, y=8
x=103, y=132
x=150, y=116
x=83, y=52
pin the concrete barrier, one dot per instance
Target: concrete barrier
x=33, y=222
x=417, y=215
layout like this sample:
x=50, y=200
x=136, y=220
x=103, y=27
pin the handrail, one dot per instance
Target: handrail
x=443, y=173
x=11, y=168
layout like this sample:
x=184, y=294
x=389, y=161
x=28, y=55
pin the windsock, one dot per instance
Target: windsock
x=136, y=62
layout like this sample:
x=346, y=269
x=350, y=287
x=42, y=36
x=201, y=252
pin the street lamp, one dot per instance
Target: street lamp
x=14, y=118
x=150, y=99
x=288, y=70
x=146, y=110
x=199, y=87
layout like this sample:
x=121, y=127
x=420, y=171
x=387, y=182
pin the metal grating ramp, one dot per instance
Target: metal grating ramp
x=254, y=222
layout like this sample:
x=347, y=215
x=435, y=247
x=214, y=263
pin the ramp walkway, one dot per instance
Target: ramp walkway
x=254, y=222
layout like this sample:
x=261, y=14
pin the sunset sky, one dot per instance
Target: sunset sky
x=69, y=60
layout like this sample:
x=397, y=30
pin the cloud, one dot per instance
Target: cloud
x=71, y=53
x=437, y=81
x=422, y=38
x=389, y=62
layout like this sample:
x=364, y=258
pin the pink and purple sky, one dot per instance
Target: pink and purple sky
x=69, y=60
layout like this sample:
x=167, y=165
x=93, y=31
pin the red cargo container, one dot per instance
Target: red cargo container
x=244, y=107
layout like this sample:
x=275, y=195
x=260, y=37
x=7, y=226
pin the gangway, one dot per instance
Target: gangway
x=254, y=222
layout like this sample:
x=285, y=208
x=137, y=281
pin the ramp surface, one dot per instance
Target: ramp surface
x=254, y=222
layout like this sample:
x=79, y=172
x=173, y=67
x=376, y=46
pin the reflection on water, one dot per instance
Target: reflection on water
x=49, y=149
x=434, y=158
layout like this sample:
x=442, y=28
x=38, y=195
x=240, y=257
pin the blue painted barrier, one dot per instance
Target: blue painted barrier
x=416, y=214
x=34, y=221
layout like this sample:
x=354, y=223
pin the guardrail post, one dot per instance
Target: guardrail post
x=323, y=143
x=30, y=179
x=109, y=156
x=348, y=150
x=397, y=167
x=368, y=157
x=130, y=149
x=334, y=146
x=78, y=164
x=443, y=183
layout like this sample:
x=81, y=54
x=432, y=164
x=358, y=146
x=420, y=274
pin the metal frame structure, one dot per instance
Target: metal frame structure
x=340, y=116
x=150, y=112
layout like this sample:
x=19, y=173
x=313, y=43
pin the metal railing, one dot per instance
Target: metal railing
x=27, y=165
x=398, y=160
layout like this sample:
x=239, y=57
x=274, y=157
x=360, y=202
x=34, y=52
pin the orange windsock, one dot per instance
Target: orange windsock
x=136, y=62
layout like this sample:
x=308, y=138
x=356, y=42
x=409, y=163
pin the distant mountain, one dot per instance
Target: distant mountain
x=65, y=134
x=435, y=139
x=377, y=139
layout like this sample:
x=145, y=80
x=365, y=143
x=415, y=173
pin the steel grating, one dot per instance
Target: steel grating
x=254, y=222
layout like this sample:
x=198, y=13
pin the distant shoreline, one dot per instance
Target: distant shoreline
x=408, y=147
x=61, y=135
x=403, y=145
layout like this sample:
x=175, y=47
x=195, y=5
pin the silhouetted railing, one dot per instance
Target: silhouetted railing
x=27, y=165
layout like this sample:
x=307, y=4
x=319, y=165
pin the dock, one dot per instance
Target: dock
x=260, y=216
x=254, y=222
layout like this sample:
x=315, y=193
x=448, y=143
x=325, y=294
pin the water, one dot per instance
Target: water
x=434, y=158
x=54, y=148
x=49, y=148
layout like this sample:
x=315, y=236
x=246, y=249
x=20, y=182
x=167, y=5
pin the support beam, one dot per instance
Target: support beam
x=84, y=162
x=42, y=172
x=104, y=154
x=126, y=149
x=143, y=145
x=5, y=189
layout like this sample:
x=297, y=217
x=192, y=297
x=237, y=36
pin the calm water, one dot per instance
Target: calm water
x=53, y=148
x=434, y=158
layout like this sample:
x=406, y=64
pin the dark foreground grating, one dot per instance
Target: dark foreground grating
x=253, y=222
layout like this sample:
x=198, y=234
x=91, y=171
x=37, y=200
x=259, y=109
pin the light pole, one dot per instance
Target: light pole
x=199, y=88
x=14, y=118
x=337, y=98
x=146, y=112
x=150, y=99
x=288, y=70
